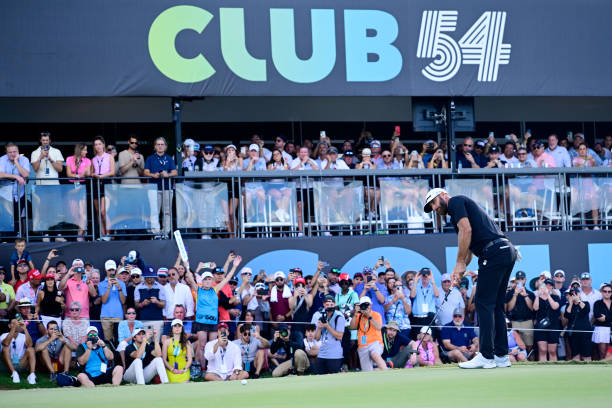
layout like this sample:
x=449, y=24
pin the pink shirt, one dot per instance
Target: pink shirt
x=77, y=291
x=545, y=158
x=85, y=163
x=101, y=164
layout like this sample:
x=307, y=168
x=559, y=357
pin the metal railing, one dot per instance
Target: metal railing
x=296, y=203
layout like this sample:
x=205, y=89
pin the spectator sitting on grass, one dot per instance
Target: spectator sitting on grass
x=96, y=359
x=252, y=349
x=143, y=359
x=17, y=351
x=396, y=352
x=54, y=355
x=287, y=354
x=461, y=342
x=126, y=330
x=224, y=358
x=516, y=347
x=427, y=351
x=177, y=354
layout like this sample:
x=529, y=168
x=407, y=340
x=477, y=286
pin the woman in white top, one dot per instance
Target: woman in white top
x=103, y=166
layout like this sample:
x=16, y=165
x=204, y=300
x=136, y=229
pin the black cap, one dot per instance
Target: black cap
x=520, y=275
x=539, y=143
x=494, y=149
x=233, y=281
x=349, y=153
x=218, y=269
x=425, y=271
x=281, y=136
x=549, y=282
x=208, y=148
x=282, y=327
x=329, y=297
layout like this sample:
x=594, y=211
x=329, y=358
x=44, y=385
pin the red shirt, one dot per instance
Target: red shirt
x=280, y=307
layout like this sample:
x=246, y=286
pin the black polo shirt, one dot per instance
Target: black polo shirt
x=521, y=311
x=147, y=358
x=484, y=230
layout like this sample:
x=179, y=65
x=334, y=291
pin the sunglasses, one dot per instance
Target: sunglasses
x=299, y=285
x=75, y=310
x=386, y=155
x=133, y=143
x=279, y=279
x=606, y=291
x=130, y=313
x=205, y=152
x=247, y=334
x=457, y=316
x=468, y=145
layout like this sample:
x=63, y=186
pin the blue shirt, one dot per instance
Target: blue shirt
x=113, y=306
x=376, y=305
x=424, y=302
x=124, y=330
x=458, y=337
x=7, y=167
x=156, y=164
x=259, y=165
x=25, y=255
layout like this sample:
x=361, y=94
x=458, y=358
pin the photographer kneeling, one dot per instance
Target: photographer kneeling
x=94, y=356
x=369, y=338
x=330, y=329
x=143, y=359
x=287, y=353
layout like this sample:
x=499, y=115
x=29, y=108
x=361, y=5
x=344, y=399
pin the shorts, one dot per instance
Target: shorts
x=551, y=337
x=526, y=335
x=105, y=378
x=203, y=327
x=601, y=334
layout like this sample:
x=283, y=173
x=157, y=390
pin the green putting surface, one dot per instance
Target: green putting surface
x=517, y=387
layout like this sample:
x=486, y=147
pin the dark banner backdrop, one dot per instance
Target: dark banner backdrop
x=572, y=251
x=288, y=47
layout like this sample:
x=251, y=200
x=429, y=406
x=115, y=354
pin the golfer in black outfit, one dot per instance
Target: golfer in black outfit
x=478, y=235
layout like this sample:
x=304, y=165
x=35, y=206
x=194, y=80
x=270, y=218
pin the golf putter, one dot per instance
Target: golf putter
x=432, y=320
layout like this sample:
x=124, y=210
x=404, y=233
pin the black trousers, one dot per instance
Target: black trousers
x=494, y=269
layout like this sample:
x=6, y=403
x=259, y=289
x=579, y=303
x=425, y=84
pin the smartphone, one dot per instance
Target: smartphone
x=491, y=134
x=112, y=276
x=322, y=134
x=519, y=284
x=381, y=258
x=58, y=251
x=507, y=137
x=397, y=130
x=528, y=131
x=369, y=279
x=243, y=150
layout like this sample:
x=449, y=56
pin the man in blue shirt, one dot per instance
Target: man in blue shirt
x=113, y=294
x=375, y=291
x=161, y=167
x=423, y=295
x=14, y=171
x=460, y=342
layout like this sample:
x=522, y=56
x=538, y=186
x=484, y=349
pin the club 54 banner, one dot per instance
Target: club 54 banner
x=291, y=47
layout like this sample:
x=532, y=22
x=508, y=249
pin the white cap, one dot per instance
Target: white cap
x=561, y=271
x=254, y=146
x=207, y=275
x=279, y=274
x=76, y=261
x=546, y=274
x=429, y=197
x=232, y=146
x=365, y=299
x=246, y=269
x=366, y=152
x=189, y=142
x=138, y=330
x=136, y=271
x=445, y=277
x=92, y=328
x=110, y=264
x=176, y=321
x=426, y=329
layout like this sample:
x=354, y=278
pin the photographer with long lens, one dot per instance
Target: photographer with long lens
x=96, y=358
x=330, y=330
x=479, y=235
x=287, y=354
x=369, y=337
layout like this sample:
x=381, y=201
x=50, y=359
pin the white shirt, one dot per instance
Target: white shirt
x=455, y=300
x=181, y=295
x=223, y=362
x=308, y=345
x=19, y=343
x=591, y=298
x=253, y=303
x=46, y=169
x=561, y=156
x=508, y=160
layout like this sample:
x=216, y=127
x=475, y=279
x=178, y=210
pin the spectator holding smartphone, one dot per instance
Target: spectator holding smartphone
x=55, y=350
x=17, y=351
x=143, y=359
x=113, y=293
x=577, y=315
x=546, y=306
x=224, y=358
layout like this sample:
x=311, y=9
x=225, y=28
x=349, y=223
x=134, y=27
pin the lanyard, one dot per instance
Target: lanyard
x=222, y=353
x=162, y=162
x=176, y=349
x=100, y=162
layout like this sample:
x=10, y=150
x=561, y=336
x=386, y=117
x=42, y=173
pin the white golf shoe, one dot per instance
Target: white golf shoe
x=478, y=362
x=502, y=362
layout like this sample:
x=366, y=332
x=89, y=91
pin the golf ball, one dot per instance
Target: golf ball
x=244, y=382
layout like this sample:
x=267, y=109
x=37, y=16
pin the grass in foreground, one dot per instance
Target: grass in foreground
x=567, y=385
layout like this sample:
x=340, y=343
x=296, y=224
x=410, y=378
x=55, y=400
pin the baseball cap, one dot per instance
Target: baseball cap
x=520, y=275
x=76, y=261
x=110, y=264
x=260, y=285
x=207, y=275
x=365, y=299
x=123, y=270
x=296, y=270
x=49, y=276
x=230, y=146
x=254, y=146
x=162, y=272
x=585, y=275
x=539, y=143
x=34, y=274
x=233, y=281
x=459, y=311
x=392, y=325
x=300, y=280
x=24, y=301
x=344, y=277
x=366, y=152
x=332, y=150
x=549, y=281
x=92, y=329
x=22, y=260
x=358, y=275
x=246, y=270
x=329, y=297
x=446, y=277
x=196, y=147
x=494, y=149
x=209, y=148
x=349, y=153
x=222, y=324
x=426, y=329
x=149, y=272
x=481, y=143
x=175, y=322
x=136, y=271
x=559, y=271
x=375, y=143
x=139, y=330
x=189, y=142
x=279, y=274
x=546, y=274
x=218, y=270
x=425, y=271
x=429, y=197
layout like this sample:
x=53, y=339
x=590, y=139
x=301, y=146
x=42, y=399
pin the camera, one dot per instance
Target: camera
x=47, y=147
x=93, y=339
x=323, y=318
x=364, y=306
x=79, y=269
x=284, y=333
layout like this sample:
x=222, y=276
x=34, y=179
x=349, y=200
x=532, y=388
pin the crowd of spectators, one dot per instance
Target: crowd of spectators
x=135, y=323
x=105, y=165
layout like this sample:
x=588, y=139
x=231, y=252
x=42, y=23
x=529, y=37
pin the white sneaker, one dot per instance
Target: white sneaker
x=327, y=234
x=300, y=234
x=15, y=377
x=478, y=362
x=502, y=361
x=32, y=379
x=206, y=237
